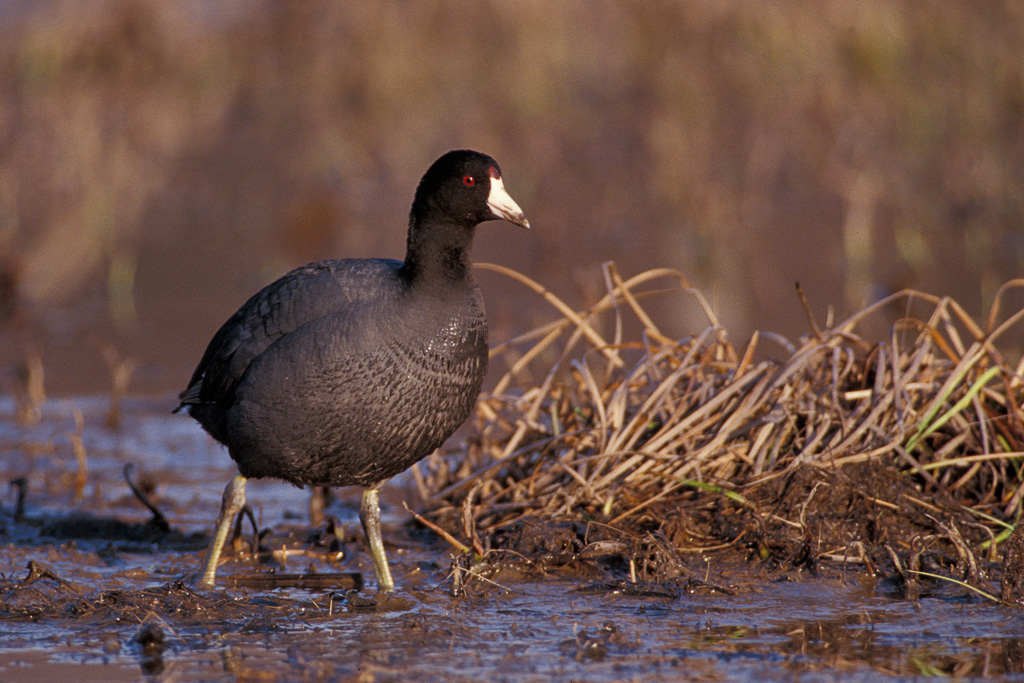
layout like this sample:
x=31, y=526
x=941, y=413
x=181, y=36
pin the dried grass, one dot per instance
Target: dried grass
x=624, y=432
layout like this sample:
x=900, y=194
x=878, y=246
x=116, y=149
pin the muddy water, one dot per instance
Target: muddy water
x=104, y=601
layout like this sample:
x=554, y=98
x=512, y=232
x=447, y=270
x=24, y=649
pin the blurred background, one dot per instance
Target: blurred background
x=160, y=161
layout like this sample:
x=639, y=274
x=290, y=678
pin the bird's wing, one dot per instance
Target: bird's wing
x=298, y=297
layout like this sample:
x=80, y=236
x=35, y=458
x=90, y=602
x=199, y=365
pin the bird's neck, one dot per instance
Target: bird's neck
x=440, y=254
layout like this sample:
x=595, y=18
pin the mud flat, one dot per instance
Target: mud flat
x=91, y=586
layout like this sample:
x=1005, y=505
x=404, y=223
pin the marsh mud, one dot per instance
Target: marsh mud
x=94, y=584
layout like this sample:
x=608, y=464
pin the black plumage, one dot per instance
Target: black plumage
x=346, y=372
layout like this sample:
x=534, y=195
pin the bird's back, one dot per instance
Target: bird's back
x=301, y=295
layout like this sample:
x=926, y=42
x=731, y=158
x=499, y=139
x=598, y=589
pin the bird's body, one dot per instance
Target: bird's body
x=347, y=372
x=340, y=374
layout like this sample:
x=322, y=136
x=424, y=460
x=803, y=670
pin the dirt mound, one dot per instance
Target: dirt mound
x=644, y=450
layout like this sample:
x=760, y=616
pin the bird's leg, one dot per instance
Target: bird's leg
x=231, y=503
x=319, y=499
x=369, y=515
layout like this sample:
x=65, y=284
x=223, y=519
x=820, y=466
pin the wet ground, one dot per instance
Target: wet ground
x=92, y=587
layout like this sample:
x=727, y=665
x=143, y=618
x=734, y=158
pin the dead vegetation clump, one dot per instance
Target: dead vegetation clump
x=653, y=450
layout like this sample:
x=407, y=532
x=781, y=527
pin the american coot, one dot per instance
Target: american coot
x=347, y=372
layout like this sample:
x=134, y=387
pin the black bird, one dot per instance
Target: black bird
x=346, y=372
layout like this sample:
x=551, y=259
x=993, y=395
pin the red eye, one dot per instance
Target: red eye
x=468, y=181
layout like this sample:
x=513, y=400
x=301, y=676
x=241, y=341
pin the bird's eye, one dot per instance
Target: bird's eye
x=468, y=181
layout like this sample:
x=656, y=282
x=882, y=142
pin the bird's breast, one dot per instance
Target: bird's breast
x=452, y=347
